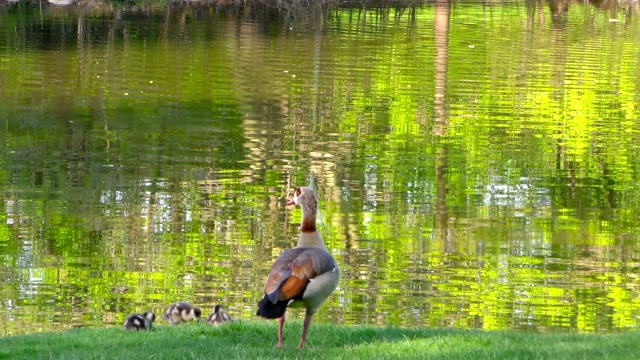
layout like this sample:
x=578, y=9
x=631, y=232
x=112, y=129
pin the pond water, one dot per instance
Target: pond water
x=477, y=163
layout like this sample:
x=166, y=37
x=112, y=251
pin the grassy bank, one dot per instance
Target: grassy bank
x=255, y=340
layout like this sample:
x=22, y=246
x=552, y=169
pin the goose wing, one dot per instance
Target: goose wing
x=293, y=270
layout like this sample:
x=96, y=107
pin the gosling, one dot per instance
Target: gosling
x=219, y=316
x=181, y=312
x=140, y=321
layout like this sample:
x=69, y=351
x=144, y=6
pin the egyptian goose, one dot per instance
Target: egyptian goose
x=181, y=312
x=304, y=276
x=139, y=321
x=219, y=316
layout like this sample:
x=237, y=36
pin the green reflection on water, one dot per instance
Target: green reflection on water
x=153, y=154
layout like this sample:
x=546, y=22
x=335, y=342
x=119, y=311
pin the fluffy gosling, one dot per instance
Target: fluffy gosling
x=140, y=321
x=181, y=312
x=219, y=316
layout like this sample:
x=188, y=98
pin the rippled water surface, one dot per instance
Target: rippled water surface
x=477, y=164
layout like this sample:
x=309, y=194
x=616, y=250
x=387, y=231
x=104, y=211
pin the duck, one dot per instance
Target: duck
x=219, y=316
x=302, y=277
x=181, y=312
x=139, y=321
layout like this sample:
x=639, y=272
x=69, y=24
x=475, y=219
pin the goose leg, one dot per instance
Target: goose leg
x=280, y=324
x=307, y=322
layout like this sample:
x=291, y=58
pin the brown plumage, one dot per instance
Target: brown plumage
x=181, y=312
x=219, y=316
x=139, y=321
x=304, y=276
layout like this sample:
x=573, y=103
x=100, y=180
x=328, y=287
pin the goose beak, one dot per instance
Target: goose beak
x=291, y=202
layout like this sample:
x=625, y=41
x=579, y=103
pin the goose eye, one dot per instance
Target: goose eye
x=298, y=192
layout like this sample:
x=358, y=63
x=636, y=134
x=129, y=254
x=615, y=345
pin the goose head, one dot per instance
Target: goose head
x=307, y=199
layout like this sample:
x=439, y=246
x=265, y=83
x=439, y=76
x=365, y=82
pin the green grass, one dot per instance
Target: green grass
x=256, y=340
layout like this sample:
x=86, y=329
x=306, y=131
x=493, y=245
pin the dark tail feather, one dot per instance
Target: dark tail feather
x=268, y=310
